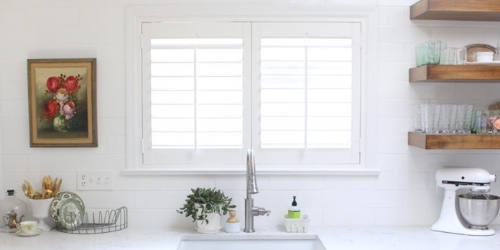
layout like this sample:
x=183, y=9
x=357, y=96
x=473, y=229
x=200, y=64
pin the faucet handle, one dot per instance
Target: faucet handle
x=268, y=212
x=263, y=211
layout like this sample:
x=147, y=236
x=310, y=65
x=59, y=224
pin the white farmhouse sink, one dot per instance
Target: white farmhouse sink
x=244, y=241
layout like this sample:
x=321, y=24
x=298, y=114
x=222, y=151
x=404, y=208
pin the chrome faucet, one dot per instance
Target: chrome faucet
x=250, y=210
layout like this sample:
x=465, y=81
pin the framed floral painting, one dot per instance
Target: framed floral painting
x=62, y=102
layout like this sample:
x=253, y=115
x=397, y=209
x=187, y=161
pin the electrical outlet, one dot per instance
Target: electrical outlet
x=94, y=180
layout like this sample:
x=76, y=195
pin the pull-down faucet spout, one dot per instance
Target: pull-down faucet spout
x=251, y=177
x=250, y=210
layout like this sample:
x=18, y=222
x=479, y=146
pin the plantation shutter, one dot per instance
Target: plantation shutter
x=195, y=92
x=309, y=92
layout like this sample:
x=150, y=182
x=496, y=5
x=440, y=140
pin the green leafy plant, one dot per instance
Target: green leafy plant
x=207, y=200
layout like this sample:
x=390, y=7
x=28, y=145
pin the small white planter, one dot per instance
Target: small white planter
x=213, y=225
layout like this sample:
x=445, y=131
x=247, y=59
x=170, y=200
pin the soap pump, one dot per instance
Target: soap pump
x=294, y=211
x=232, y=223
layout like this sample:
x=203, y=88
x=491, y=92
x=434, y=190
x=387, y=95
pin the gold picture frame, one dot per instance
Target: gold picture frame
x=62, y=102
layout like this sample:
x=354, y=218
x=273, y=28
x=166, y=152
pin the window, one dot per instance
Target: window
x=290, y=90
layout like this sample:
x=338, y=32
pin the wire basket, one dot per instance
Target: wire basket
x=297, y=225
x=97, y=222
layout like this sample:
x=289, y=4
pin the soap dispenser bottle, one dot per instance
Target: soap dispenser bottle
x=294, y=211
x=232, y=223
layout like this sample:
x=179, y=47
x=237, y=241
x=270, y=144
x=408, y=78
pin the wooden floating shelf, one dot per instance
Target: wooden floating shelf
x=452, y=141
x=468, y=10
x=439, y=73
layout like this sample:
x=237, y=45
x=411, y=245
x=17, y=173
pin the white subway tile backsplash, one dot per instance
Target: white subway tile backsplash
x=15, y=144
x=393, y=71
x=350, y=182
x=232, y=182
x=182, y=183
x=296, y=183
x=394, y=108
x=113, y=108
x=424, y=161
x=391, y=34
x=393, y=3
x=349, y=216
x=14, y=72
x=433, y=93
x=16, y=126
x=77, y=34
x=111, y=125
x=403, y=180
x=115, y=34
x=391, y=52
x=394, y=15
x=15, y=163
x=115, y=72
x=112, y=53
x=390, y=198
x=391, y=125
x=115, y=145
x=487, y=93
x=99, y=14
x=107, y=199
x=391, y=162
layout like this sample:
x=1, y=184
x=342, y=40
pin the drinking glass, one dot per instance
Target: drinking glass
x=460, y=119
x=467, y=123
x=461, y=56
x=444, y=118
x=433, y=52
x=417, y=119
x=429, y=118
x=453, y=119
x=444, y=56
x=480, y=121
x=421, y=54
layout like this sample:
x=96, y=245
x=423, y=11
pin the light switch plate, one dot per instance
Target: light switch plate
x=94, y=180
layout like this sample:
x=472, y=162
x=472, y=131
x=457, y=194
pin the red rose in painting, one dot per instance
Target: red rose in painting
x=71, y=84
x=53, y=83
x=50, y=109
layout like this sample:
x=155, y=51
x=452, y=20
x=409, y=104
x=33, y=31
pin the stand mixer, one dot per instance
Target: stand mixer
x=452, y=179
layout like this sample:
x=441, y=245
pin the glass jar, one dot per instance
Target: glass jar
x=13, y=210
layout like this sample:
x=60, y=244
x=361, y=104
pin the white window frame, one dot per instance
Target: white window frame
x=196, y=13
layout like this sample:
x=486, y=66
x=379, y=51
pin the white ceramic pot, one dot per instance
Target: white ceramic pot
x=213, y=225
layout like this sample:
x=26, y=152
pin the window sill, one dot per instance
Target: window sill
x=262, y=171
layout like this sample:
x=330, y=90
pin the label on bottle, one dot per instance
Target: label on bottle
x=294, y=214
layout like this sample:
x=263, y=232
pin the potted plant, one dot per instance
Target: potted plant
x=205, y=206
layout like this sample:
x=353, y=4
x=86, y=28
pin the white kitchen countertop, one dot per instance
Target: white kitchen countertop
x=335, y=238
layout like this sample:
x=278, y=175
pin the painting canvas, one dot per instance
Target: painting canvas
x=62, y=102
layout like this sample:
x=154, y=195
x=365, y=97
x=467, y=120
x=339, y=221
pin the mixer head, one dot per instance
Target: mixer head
x=462, y=177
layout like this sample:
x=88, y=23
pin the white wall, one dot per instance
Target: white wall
x=403, y=194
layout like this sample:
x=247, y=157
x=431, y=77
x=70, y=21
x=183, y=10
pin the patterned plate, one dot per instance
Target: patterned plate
x=67, y=210
x=71, y=213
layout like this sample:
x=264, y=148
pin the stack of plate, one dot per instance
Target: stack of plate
x=67, y=210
